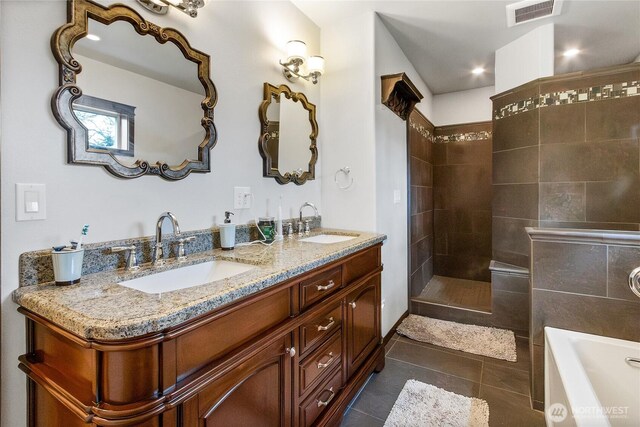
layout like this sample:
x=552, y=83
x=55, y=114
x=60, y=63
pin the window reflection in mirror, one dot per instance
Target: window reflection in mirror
x=110, y=125
x=122, y=69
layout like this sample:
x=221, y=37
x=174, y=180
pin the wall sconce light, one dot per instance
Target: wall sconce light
x=161, y=7
x=296, y=57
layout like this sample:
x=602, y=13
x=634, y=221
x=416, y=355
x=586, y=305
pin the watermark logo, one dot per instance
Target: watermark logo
x=557, y=413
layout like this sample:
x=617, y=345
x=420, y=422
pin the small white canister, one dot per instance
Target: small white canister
x=227, y=236
x=67, y=266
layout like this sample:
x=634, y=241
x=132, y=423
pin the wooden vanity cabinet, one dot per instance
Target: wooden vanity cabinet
x=292, y=355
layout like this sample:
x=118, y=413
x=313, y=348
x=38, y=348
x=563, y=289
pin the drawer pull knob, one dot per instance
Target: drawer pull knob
x=327, y=363
x=291, y=351
x=322, y=403
x=327, y=326
x=353, y=304
x=326, y=287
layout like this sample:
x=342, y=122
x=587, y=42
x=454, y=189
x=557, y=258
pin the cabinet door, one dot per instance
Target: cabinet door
x=362, y=323
x=255, y=393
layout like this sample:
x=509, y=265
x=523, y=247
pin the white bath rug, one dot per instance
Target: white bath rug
x=424, y=405
x=482, y=340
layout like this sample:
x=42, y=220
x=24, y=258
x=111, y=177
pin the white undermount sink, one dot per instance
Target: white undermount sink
x=327, y=238
x=186, y=277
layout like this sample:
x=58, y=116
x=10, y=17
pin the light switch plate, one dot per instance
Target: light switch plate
x=241, y=197
x=31, y=202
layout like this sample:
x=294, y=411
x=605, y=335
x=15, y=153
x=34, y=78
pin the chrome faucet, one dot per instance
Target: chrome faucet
x=306, y=223
x=158, y=256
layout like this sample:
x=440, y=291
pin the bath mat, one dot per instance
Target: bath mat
x=482, y=340
x=422, y=405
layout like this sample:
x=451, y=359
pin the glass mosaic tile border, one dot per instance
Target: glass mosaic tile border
x=423, y=131
x=466, y=136
x=572, y=96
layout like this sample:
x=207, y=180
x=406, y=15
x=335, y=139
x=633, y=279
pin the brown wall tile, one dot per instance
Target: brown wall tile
x=569, y=267
x=440, y=154
x=510, y=310
x=562, y=201
x=516, y=200
x=622, y=260
x=583, y=313
x=562, y=123
x=591, y=225
x=613, y=119
x=516, y=166
x=470, y=267
x=511, y=241
x=509, y=282
x=469, y=152
x=421, y=172
x=601, y=161
x=520, y=130
x=537, y=372
x=615, y=201
x=481, y=221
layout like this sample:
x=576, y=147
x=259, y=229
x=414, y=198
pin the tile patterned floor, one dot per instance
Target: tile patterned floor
x=504, y=385
x=454, y=292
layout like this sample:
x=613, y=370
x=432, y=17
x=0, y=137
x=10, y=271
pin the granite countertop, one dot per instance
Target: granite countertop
x=98, y=308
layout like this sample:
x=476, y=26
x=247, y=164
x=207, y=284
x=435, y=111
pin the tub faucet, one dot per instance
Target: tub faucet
x=306, y=225
x=158, y=256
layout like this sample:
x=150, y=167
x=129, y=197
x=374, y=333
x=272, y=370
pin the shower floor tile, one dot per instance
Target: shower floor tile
x=453, y=292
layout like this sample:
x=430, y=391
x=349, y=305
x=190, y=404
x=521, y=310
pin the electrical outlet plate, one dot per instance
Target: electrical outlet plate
x=241, y=197
x=397, y=197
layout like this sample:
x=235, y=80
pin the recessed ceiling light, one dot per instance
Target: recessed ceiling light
x=570, y=53
x=93, y=37
x=478, y=70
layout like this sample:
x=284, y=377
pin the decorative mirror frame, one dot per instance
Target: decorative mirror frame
x=78, y=14
x=269, y=92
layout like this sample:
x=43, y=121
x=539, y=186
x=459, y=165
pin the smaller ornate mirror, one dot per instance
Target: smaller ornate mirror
x=288, y=139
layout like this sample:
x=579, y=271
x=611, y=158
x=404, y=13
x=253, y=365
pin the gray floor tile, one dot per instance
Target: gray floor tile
x=355, y=418
x=510, y=409
x=447, y=350
x=523, y=360
x=505, y=378
x=437, y=360
x=383, y=389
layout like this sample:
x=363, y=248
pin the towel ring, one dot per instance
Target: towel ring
x=347, y=171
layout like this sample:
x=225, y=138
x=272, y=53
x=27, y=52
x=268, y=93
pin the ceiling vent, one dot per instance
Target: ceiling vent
x=531, y=10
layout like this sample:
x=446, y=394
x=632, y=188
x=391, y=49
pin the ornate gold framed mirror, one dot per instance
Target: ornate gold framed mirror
x=116, y=68
x=288, y=135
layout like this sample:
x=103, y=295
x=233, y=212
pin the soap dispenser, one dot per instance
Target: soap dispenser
x=227, y=233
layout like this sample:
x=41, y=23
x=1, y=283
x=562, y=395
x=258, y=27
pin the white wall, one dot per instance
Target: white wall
x=391, y=175
x=526, y=58
x=637, y=59
x=347, y=103
x=371, y=140
x=245, y=41
x=465, y=106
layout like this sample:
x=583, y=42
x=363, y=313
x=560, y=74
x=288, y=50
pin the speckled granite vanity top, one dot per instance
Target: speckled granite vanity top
x=98, y=308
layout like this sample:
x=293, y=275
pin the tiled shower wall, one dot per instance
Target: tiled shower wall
x=420, y=137
x=462, y=201
x=580, y=284
x=566, y=154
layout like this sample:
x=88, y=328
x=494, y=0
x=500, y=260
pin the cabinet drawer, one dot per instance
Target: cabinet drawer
x=320, y=399
x=320, y=327
x=319, y=286
x=361, y=265
x=324, y=359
